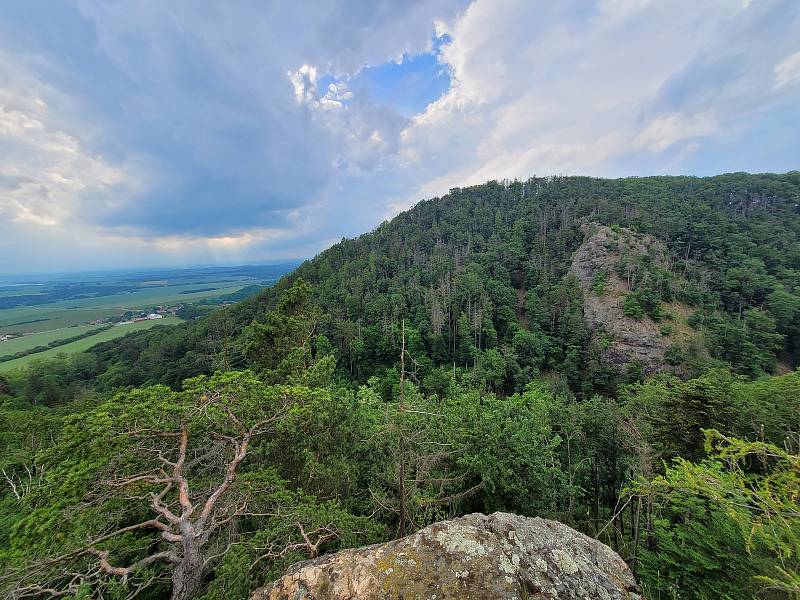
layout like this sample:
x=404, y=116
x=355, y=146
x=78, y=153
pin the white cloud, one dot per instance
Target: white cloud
x=47, y=177
x=626, y=85
x=787, y=72
x=304, y=81
x=666, y=130
x=185, y=126
x=232, y=132
x=612, y=10
x=336, y=96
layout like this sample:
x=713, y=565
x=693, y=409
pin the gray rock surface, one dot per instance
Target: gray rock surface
x=628, y=339
x=501, y=556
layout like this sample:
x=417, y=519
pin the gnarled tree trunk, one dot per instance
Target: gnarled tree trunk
x=188, y=575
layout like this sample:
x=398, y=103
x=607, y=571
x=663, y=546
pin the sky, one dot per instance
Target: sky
x=139, y=133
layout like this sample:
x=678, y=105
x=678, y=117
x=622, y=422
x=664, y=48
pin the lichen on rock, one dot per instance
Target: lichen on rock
x=500, y=556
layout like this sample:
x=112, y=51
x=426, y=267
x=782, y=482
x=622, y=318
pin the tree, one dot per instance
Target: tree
x=281, y=344
x=172, y=493
x=672, y=413
x=421, y=477
x=727, y=526
x=511, y=445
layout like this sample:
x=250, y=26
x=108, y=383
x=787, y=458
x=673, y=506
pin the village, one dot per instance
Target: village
x=158, y=313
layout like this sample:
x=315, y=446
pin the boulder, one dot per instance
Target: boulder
x=476, y=556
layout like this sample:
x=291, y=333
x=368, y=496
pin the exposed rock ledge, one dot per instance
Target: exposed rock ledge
x=477, y=556
x=631, y=339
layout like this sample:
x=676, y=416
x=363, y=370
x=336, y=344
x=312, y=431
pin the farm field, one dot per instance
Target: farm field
x=30, y=306
x=17, y=290
x=86, y=343
x=45, y=309
x=66, y=313
x=27, y=342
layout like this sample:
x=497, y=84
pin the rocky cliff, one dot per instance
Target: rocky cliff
x=605, y=283
x=500, y=556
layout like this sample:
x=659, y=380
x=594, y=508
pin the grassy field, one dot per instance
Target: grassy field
x=42, y=339
x=66, y=313
x=86, y=343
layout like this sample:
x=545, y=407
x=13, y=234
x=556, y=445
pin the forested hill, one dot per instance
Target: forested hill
x=456, y=268
x=619, y=355
x=482, y=278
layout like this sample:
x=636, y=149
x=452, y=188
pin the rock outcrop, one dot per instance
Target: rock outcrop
x=500, y=556
x=624, y=340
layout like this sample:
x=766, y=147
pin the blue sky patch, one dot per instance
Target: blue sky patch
x=408, y=86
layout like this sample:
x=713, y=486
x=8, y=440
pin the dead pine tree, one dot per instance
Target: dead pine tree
x=188, y=483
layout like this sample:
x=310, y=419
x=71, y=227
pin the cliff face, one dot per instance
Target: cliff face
x=499, y=556
x=596, y=264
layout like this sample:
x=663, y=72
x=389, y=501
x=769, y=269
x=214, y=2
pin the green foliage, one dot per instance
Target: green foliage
x=515, y=452
x=698, y=552
x=675, y=355
x=726, y=527
x=632, y=308
x=471, y=268
x=643, y=302
x=92, y=481
x=670, y=413
x=599, y=283
x=279, y=347
x=749, y=343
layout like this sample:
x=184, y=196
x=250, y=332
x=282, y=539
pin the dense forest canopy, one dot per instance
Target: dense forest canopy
x=444, y=363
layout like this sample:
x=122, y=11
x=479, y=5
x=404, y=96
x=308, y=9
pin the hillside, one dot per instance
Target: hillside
x=455, y=267
x=482, y=276
x=617, y=355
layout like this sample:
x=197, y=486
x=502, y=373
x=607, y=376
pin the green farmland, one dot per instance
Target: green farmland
x=86, y=343
x=67, y=313
x=27, y=342
x=52, y=309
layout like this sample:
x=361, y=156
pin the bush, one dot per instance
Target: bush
x=675, y=355
x=599, y=283
x=632, y=308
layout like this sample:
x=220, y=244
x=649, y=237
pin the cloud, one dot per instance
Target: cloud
x=186, y=125
x=787, y=72
x=47, y=178
x=304, y=81
x=623, y=87
x=666, y=130
x=336, y=95
x=259, y=130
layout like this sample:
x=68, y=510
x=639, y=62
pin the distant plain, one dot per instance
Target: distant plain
x=41, y=311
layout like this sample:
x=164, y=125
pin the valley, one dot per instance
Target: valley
x=36, y=314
